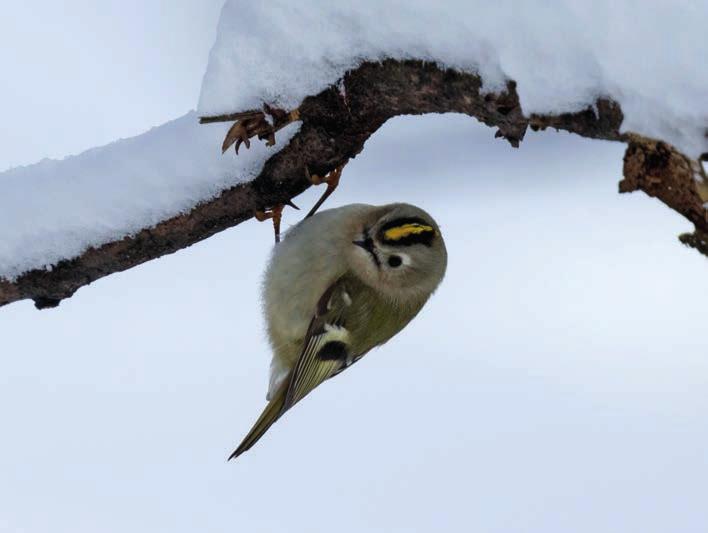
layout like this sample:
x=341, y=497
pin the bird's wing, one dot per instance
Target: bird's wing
x=326, y=345
x=325, y=353
x=270, y=414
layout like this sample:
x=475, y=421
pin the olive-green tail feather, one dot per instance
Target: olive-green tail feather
x=270, y=414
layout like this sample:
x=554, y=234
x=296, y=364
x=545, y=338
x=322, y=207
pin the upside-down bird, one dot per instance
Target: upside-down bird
x=341, y=283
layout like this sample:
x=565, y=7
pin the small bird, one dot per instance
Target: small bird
x=341, y=283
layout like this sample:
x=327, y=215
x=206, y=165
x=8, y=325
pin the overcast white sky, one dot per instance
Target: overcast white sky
x=556, y=382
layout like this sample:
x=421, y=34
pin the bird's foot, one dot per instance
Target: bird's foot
x=331, y=179
x=276, y=214
x=263, y=124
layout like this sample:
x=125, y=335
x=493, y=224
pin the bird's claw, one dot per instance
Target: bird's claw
x=275, y=213
x=255, y=123
x=331, y=179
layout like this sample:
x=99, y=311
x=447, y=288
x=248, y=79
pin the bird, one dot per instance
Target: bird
x=342, y=282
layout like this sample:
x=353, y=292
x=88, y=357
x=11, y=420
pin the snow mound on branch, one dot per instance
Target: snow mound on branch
x=57, y=209
x=649, y=56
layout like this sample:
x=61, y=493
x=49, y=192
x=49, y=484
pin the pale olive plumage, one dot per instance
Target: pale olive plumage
x=342, y=282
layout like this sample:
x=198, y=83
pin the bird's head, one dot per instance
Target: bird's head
x=399, y=251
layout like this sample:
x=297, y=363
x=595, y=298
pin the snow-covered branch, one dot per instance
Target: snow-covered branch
x=334, y=127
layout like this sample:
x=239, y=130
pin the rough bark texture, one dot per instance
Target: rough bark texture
x=335, y=125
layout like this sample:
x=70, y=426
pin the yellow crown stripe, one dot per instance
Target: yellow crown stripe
x=400, y=232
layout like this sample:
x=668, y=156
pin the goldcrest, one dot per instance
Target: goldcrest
x=341, y=283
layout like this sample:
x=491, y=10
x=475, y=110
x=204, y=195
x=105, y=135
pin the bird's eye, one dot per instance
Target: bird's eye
x=394, y=261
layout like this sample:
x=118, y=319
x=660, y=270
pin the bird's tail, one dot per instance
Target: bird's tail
x=269, y=415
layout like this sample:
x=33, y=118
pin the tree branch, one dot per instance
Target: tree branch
x=335, y=125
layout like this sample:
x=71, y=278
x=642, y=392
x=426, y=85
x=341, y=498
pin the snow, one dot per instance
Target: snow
x=648, y=56
x=564, y=54
x=56, y=209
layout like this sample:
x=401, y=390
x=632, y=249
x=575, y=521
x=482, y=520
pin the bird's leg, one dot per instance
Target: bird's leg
x=249, y=124
x=275, y=213
x=331, y=179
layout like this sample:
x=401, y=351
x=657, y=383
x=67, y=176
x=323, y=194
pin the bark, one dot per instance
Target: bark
x=335, y=125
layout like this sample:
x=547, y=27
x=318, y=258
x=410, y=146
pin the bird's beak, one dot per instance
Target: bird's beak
x=367, y=244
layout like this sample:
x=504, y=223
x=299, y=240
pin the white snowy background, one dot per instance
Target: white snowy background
x=556, y=382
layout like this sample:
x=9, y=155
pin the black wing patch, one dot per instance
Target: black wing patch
x=325, y=350
x=334, y=351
